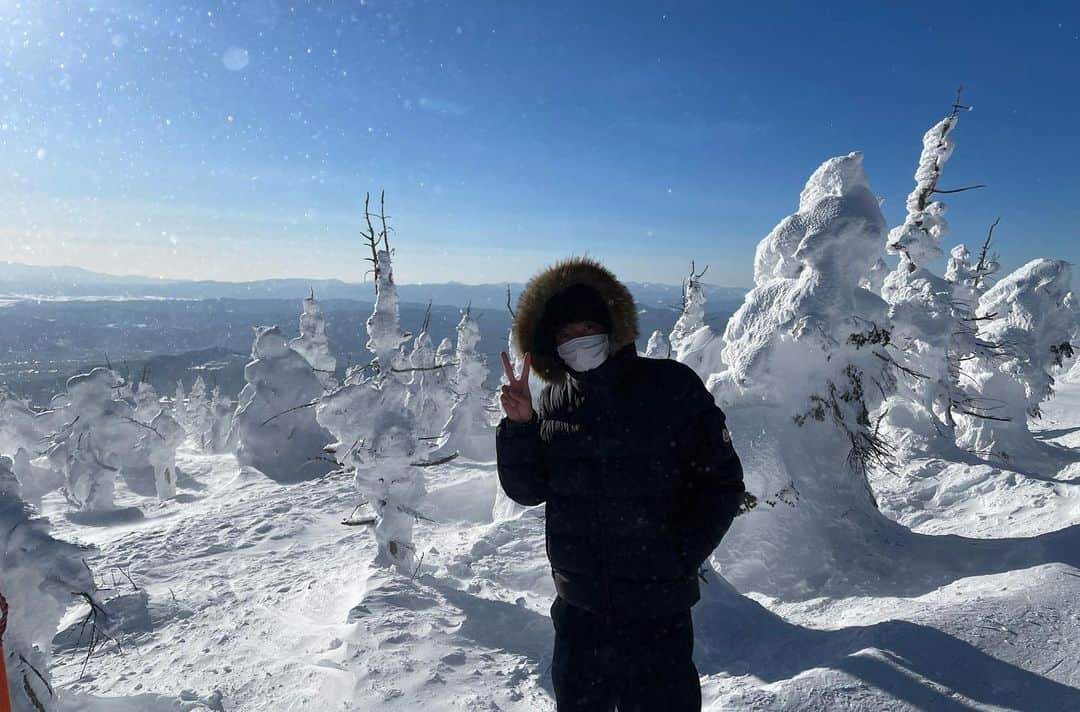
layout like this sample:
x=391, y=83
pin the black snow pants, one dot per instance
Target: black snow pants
x=638, y=665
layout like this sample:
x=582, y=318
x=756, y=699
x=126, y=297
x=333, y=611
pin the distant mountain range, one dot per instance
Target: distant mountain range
x=21, y=281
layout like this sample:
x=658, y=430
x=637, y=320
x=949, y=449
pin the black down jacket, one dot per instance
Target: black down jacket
x=639, y=477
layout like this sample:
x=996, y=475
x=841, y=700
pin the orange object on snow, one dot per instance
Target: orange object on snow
x=5, y=694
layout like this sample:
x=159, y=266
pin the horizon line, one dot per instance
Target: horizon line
x=189, y=280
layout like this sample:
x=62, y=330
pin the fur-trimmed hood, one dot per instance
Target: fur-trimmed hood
x=552, y=280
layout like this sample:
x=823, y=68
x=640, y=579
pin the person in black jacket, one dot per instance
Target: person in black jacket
x=636, y=467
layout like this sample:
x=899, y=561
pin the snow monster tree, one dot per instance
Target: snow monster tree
x=808, y=361
x=275, y=428
x=1028, y=314
x=40, y=575
x=95, y=437
x=468, y=430
x=374, y=429
x=692, y=341
x=658, y=346
x=312, y=343
x=923, y=311
x=428, y=392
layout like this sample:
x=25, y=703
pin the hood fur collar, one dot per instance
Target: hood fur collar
x=555, y=278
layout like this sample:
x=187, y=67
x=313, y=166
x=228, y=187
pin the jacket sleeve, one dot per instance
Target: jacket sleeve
x=712, y=477
x=520, y=458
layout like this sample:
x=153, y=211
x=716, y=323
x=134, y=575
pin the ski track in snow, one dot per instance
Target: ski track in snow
x=259, y=599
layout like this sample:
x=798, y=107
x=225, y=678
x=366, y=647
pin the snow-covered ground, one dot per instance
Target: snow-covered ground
x=258, y=598
x=977, y=499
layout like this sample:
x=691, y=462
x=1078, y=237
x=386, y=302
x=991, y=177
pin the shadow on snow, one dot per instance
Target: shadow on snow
x=736, y=635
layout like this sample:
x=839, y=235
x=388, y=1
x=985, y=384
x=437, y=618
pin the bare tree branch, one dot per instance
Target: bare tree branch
x=957, y=106
x=144, y=425
x=382, y=216
x=981, y=266
x=425, y=368
x=983, y=416
x=284, y=412
x=440, y=461
x=958, y=190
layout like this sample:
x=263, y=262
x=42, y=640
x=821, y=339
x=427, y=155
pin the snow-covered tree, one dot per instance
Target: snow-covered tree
x=222, y=409
x=22, y=431
x=918, y=418
x=401, y=365
x=162, y=440
x=925, y=314
x=1070, y=363
x=658, y=346
x=875, y=278
x=179, y=405
x=312, y=343
x=147, y=402
x=157, y=442
x=20, y=425
x=385, y=334
x=969, y=281
x=1028, y=313
x=39, y=576
x=199, y=414
x=444, y=354
x=276, y=430
x=95, y=438
x=918, y=240
x=441, y=379
x=375, y=431
x=808, y=362
x=468, y=429
x=425, y=396
x=9, y=483
x=961, y=273
x=692, y=341
x=692, y=317
x=36, y=478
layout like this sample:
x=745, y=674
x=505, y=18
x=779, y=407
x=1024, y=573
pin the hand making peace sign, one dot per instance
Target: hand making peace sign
x=516, y=400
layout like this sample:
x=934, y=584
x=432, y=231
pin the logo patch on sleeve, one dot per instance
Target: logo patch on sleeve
x=725, y=434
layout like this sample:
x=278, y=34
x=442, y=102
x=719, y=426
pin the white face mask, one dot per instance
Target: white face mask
x=585, y=352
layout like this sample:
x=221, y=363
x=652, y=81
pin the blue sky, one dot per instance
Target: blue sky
x=236, y=140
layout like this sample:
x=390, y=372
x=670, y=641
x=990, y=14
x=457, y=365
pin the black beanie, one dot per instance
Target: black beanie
x=578, y=302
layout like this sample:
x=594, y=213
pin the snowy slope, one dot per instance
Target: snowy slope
x=978, y=499
x=259, y=599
